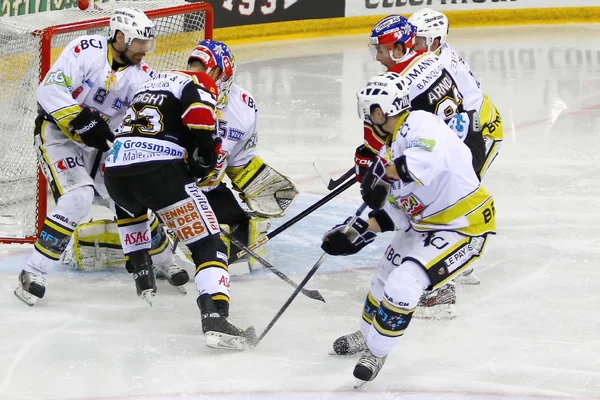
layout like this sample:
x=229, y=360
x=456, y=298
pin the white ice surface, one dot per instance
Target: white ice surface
x=529, y=331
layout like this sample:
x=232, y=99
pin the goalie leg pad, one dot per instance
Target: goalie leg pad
x=96, y=244
x=258, y=228
x=266, y=192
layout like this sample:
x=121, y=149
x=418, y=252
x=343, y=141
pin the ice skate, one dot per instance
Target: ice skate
x=468, y=278
x=438, y=304
x=367, y=368
x=174, y=274
x=31, y=287
x=350, y=344
x=219, y=332
x=143, y=275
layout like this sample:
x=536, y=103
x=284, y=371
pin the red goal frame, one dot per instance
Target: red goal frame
x=46, y=62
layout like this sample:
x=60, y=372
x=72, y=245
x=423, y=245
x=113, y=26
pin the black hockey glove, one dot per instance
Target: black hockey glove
x=92, y=129
x=348, y=238
x=206, y=158
x=362, y=161
x=374, y=188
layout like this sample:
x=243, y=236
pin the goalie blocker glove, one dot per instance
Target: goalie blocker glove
x=348, y=238
x=92, y=129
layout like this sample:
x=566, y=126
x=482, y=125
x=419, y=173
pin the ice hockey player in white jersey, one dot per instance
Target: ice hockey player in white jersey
x=266, y=192
x=81, y=100
x=421, y=184
x=432, y=87
x=432, y=31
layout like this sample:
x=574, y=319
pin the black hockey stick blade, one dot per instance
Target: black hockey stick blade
x=333, y=183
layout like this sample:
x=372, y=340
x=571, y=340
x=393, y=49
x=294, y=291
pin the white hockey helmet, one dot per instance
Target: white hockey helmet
x=388, y=91
x=430, y=25
x=135, y=25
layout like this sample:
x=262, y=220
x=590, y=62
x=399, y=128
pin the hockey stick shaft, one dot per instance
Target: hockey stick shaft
x=96, y=164
x=313, y=294
x=308, y=276
x=292, y=221
x=333, y=183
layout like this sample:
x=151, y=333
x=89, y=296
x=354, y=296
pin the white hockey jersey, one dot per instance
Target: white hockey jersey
x=445, y=193
x=83, y=75
x=237, y=125
x=431, y=88
x=463, y=76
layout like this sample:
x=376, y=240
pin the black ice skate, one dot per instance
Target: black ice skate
x=219, y=332
x=438, y=304
x=350, y=344
x=143, y=275
x=367, y=368
x=174, y=274
x=31, y=287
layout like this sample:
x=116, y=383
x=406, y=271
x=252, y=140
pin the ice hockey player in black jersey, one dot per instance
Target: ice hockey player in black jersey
x=165, y=142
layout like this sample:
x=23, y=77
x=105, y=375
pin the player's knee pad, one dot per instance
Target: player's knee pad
x=60, y=224
x=403, y=289
x=212, y=270
x=405, y=285
x=75, y=204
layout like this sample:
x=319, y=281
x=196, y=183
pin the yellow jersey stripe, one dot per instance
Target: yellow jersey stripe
x=131, y=221
x=387, y=332
x=220, y=297
x=211, y=264
x=46, y=252
x=58, y=228
x=397, y=309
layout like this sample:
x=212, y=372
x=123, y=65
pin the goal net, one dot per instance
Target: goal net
x=29, y=44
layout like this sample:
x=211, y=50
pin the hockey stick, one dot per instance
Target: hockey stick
x=304, y=281
x=337, y=182
x=96, y=164
x=313, y=294
x=323, y=172
x=292, y=221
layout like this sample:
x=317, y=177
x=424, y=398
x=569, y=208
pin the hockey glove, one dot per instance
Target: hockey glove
x=362, y=161
x=206, y=159
x=374, y=188
x=348, y=238
x=89, y=127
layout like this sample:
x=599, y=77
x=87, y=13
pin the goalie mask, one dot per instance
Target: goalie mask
x=215, y=54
